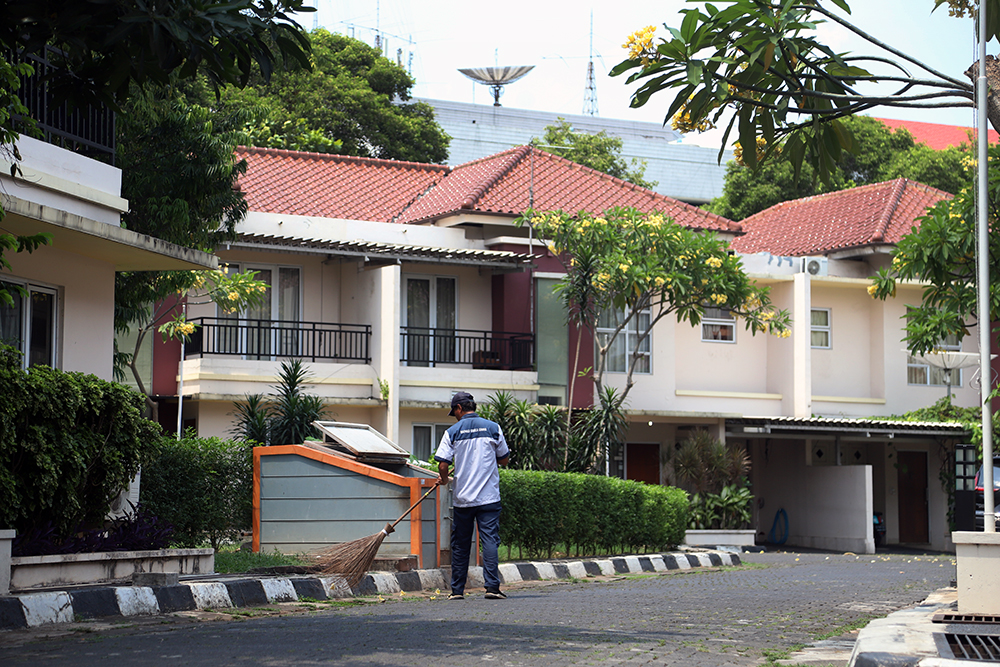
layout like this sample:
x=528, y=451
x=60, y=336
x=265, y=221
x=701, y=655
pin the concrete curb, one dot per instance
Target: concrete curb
x=28, y=610
x=905, y=638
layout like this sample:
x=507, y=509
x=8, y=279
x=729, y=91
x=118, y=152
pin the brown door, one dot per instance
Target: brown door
x=911, y=476
x=642, y=462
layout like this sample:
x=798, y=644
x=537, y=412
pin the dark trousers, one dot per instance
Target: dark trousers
x=487, y=517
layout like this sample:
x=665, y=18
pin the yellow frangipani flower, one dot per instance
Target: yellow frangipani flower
x=640, y=45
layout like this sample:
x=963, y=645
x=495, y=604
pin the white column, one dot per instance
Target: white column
x=802, y=350
x=389, y=290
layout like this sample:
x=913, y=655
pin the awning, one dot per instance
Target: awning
x=790, y=426
x=125, y=249
x=382, y=252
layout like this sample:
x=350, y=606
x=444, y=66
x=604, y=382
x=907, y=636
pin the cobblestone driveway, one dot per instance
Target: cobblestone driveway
x=727, y=616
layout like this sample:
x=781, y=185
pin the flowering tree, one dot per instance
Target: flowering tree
x=624, y=262
x=232, y=292
x=942, y=253
x=762, y=60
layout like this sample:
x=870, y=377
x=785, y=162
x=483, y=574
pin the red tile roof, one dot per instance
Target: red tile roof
x=333, y=186
x=939, y=136
x=502, y=183
x=877, y=214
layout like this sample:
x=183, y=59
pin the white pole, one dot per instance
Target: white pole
x=180, y=386
x=983, y=291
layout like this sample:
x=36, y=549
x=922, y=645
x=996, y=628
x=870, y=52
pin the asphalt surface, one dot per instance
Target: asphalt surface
x=745, y=615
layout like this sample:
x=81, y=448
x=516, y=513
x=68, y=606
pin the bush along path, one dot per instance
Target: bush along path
x=27, y=610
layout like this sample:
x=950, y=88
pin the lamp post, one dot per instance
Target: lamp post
x=983, y=267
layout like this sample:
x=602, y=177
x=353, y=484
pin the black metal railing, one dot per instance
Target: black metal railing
x=89, y=130
x=420, y=346
x=276, y=339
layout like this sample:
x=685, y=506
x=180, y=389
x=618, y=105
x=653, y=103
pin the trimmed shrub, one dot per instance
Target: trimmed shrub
x=588, y=514
x=202, y=486
x=69, y=443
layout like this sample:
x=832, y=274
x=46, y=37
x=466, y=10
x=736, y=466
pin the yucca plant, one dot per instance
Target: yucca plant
x=284, y=418
x=253, y=420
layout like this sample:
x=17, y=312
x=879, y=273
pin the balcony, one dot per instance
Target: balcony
x=88, y=130
x=499, y=350
x=264, y=340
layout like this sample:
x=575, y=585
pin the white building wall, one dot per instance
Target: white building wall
x=86, y=304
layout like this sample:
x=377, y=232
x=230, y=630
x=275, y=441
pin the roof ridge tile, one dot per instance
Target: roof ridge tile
x=898, y=187
x=477, y=193
x=337, y=157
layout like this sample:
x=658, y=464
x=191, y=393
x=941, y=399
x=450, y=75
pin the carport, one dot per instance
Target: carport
x=831, y=475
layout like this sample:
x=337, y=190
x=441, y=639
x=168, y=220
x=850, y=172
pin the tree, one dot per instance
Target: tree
x=647, y=261
x=598, y=151
x=285, y=417
x=942, y=252
x=179, y=174
x=761, y=60
x=883, y=154
x=102, y=47
x=141, y=305
x=11, y=107
x=352, y=100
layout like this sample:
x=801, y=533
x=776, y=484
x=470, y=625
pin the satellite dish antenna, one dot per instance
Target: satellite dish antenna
x=496, y=77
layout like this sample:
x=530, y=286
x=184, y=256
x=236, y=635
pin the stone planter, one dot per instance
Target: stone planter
x=30, y=572
x=978, y=576
x=719, y=538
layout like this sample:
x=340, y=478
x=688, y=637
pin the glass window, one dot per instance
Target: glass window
x=426, y=438
x=627, y=342
x=430, y=319
x=29, y=324
x=820, y=328
x=718, y=325
x=553, y=343
x=271, y=328
x=919, y=373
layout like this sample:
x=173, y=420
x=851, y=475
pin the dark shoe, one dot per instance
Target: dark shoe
x=456, y=596
x=495, y=595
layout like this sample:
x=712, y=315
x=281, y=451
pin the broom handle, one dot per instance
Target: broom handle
x=429, y=491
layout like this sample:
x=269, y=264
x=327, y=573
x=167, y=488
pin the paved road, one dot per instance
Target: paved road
x=729, y=616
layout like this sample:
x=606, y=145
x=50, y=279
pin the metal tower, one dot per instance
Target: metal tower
x=590, y=93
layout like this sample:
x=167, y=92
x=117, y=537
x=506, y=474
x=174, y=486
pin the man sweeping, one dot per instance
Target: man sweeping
x=477, y=447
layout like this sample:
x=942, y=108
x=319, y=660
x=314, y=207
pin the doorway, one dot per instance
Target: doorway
x=642, y=462
x=911, y=480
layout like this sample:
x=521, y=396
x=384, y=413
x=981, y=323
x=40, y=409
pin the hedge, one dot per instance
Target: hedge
x=69, y=443
x=202, y=486
x=588, y=514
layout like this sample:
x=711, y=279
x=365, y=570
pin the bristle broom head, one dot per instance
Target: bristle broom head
x=351, y=560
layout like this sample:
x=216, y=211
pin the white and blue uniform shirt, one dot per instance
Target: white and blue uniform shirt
x=474, y=444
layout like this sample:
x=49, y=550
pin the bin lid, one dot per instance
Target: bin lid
x=361, y=441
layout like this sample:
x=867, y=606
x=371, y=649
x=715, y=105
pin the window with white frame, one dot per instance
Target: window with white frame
x=718, y=326
x=269, y=329
x=430, y=317
x=426, y=438
x=29, y=323
x=919, y=373
x=821, y=328
x=627, y=342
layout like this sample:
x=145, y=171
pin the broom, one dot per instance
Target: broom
x=353, y=559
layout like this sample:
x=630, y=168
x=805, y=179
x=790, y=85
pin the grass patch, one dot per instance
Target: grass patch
x=230, y=560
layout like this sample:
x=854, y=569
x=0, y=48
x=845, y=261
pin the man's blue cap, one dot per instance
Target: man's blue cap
x=459, y=398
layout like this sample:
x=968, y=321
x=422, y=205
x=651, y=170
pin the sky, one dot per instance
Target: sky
x=439, y=36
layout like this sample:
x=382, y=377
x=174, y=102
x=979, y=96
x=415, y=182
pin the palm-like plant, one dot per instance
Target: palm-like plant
x=294, y=410
x=285, y=419
x=253, y=420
